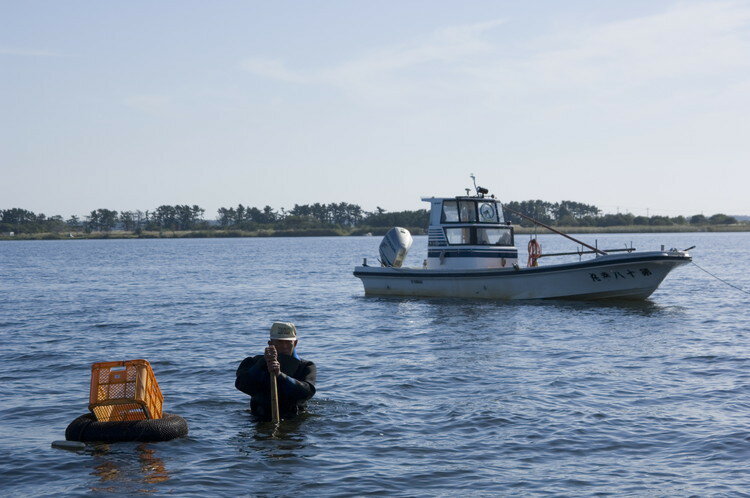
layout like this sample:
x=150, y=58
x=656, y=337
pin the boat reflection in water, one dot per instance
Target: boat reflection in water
x=472, y=254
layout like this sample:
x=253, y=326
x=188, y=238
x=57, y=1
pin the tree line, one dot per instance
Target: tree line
x=178, y=217
x=571, y=214
x=309, y=216
x=184, y=217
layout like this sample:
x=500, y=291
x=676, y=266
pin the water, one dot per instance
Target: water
x=415, y=396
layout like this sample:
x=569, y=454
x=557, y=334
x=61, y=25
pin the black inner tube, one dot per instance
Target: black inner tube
x=87, y=429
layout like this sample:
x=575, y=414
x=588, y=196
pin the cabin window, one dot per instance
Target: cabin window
x=487, y=212
x=450, y=212
x=468, y=211
x=458, y=235
x=494, y=236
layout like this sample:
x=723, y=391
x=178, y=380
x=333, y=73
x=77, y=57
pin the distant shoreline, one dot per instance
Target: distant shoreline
x=341, y=232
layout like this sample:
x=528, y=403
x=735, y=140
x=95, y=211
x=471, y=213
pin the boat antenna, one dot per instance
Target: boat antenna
x=480, y=191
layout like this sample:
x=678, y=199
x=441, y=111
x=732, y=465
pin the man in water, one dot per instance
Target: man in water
x=295, y=377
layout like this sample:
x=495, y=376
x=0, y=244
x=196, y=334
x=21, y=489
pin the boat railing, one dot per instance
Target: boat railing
x=580, y=253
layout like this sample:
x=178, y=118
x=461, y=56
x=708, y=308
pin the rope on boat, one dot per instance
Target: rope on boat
x=720, y=279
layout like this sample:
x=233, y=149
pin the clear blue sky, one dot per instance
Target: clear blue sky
x=128, y=105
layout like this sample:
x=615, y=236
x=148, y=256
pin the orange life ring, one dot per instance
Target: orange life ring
x=535, y=251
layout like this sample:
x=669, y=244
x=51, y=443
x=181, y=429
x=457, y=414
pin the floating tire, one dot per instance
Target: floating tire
x=86, y=428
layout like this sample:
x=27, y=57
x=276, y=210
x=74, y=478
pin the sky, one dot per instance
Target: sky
x=637, y=106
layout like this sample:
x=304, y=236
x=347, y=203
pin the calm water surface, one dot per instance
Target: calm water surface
x=415, y=396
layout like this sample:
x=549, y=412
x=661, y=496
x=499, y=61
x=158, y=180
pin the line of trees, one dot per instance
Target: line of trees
x=23, y=221
x=184, y=217
x=569, y=213
x=178, y=217
x=558, y=213
x=317, y=215
x=334, y=215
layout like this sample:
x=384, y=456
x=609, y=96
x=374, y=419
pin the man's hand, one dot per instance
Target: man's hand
x=272, y=360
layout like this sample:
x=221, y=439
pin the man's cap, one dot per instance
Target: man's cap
x=283, y=331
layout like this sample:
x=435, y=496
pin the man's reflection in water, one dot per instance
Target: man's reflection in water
x=128, y=474
x=274, y=442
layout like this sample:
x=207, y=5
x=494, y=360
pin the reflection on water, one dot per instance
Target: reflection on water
x=273, y=441
x=152, y=466
x=645, y=308
x=472, y=308
x=124, y=473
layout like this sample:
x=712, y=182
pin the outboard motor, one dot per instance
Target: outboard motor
x=394, y=247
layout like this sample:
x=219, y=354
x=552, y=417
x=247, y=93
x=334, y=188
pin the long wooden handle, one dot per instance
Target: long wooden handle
x=274, y=401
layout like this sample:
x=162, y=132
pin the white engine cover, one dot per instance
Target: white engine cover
x=395, y=245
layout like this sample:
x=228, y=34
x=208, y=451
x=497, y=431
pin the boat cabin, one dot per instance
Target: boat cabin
x=468, y=232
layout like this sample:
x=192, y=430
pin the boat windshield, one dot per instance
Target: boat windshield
x=479, y=236
x=487, y=212
x=494, y=236
x=450, y=212
x=458, y=235
x=466, y=211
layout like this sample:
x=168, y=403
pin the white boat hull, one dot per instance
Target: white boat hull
x=628, y=276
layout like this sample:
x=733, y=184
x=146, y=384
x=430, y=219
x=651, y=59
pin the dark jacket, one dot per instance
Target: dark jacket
x=295, y=384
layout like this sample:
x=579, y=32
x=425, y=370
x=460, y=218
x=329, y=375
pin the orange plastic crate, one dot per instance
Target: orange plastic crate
x=124, y=390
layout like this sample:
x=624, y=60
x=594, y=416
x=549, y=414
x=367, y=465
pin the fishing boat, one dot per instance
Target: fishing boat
x=472, y=254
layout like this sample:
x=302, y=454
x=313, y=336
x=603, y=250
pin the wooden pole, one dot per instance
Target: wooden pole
x=274, y=401
x=275, y=418
x=598, y=251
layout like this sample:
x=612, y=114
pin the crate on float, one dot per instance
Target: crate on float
x=124, y=390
